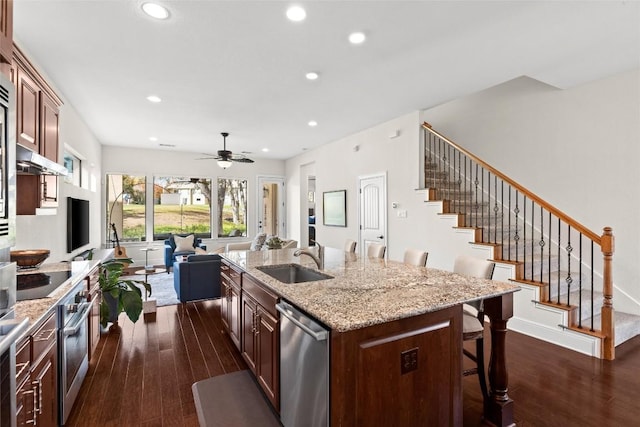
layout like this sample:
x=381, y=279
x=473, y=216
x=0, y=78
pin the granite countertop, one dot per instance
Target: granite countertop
x=37, y=310
x=367, y=291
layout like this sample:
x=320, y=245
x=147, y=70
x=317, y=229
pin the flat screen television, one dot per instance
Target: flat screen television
x=77, y=223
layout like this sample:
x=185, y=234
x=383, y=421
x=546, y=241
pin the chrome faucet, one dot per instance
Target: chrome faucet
x=319, y=259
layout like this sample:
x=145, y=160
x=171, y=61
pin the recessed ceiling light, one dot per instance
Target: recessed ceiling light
x=154, y=10
x=312, y=123
x=167, y=145
x=312, y=76
x=154, y=99
x=265, y=150
x=357, y=38
x=296, y=14
x=153, y=138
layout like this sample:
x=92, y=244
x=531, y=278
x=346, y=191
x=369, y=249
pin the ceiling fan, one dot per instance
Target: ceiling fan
x=226, y=157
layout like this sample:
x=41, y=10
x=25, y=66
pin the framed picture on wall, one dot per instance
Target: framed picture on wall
x=334, y=208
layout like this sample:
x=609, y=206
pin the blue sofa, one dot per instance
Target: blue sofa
x=197, y=278
x=170, y=247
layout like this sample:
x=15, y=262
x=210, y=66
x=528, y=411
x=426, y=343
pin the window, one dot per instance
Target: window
x=126, y=208
x=74, y=168
x=232, y=207
x=181, y=205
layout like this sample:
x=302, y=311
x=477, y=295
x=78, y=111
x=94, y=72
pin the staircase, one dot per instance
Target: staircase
x=563, y=268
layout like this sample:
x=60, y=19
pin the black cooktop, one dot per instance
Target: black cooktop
x=39, y=285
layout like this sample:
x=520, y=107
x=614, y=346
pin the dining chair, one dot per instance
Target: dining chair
x=415, y=257
x=350, y=245
x=473, y=316
x=376, y=250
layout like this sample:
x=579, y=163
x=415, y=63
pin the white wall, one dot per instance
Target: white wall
x=577, y=148
x=150, y=163
x=338, y=165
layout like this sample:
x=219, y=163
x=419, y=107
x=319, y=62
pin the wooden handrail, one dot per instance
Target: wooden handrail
x=550, y=208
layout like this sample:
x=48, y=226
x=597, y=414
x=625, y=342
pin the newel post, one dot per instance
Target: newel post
x=607, y=243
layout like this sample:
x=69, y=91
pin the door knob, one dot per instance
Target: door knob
x=380, y=237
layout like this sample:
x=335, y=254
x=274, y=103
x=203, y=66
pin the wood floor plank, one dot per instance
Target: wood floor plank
x=209, y=353
x=226, y=350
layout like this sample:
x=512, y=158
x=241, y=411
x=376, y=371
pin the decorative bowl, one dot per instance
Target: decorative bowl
x=29, y=258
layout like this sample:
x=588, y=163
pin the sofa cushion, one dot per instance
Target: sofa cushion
x=201, y=258
x=184, y=244
x=258, y=241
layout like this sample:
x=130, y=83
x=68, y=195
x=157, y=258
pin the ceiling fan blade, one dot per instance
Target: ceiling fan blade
x=242, y=160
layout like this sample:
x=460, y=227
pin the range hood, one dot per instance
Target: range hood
x=33, y=163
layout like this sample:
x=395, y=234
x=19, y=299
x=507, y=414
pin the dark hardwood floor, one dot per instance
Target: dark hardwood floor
x=142, y=373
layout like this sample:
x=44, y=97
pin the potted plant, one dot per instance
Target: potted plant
x=274, y=243
x=120, y=294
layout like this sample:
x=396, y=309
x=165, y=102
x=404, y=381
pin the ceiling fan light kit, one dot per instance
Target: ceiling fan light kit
x=225, y=158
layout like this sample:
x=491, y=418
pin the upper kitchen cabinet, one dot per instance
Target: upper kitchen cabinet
x=37, y=109
x=6, y=31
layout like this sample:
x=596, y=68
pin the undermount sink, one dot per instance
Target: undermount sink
x=293, y=273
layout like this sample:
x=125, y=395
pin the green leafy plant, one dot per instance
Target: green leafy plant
x=274, y=243
x=120, y=294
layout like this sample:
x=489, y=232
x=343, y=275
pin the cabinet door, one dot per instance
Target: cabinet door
x=249, y=348
x=28, y=112
x=6, y=30
x=268, y=355
x=45, y=382
x=25, y=403
x=49, y=125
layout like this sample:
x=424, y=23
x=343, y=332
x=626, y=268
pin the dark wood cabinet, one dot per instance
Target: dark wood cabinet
x=412, y=367
x=45, y=383
x=37, y=128
x=37, y=376
x=49, y=125
x=28, y=110
x=260, y=336
x=6, y=30
x=231, y=282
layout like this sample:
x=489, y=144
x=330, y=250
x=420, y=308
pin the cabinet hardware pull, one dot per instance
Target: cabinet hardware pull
x=36, y=410
x=33, y=412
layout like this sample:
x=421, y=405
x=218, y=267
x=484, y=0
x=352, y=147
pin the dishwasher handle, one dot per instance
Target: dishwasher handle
x=287, y=311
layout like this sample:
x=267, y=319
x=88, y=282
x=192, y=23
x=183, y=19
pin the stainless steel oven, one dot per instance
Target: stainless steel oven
x=73, y=346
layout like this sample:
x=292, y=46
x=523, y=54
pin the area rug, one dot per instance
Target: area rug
x=162, y=289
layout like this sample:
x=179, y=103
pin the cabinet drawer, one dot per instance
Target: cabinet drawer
x=44, y=337
x=23, y=359
x=264, y=297
x=231, y=274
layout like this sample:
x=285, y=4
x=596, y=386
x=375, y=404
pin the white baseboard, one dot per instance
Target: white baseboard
x=566, y=338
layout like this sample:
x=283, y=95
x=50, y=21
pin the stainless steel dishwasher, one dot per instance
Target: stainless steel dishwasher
x=304, y=369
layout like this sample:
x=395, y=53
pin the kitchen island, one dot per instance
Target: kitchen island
x=380, y=311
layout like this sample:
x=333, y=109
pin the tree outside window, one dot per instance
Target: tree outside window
x=232, y=207
x=126, y=207
x=181, y=205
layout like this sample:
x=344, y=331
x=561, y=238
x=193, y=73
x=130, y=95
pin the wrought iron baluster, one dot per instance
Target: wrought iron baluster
x=558, y=263
x=549, y=259
x=592, y=312
x=509, y=225
x=533, y=220
x=580, y=282
x=516, y=237
x=524, y=235
x=482, y=205
x=542, y=244
x=502, y=218
x=476, y=182
x=569, y=279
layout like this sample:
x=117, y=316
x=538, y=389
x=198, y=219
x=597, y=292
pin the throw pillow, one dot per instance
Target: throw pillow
x=184, y=244
x=258, y=241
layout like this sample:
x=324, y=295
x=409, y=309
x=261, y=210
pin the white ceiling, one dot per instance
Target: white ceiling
x=239, y=66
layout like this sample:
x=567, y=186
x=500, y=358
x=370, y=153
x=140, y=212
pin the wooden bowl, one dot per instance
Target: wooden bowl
x=30, y=258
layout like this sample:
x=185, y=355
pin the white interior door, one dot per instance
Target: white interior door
x=373, y=211
x=271, y=218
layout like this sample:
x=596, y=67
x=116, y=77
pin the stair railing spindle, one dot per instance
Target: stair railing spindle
x=558, y=263
x=542, y=244
x=524, y=234
x=580, y=282
x=569, y=279
x=533, y=219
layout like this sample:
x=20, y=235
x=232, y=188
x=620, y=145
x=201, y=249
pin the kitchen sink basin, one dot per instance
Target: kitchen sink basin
x=293, y=273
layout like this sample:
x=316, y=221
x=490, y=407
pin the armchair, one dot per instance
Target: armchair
x=197, y=278
x=170, y=247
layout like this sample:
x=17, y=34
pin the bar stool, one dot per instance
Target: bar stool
x=415, y=257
